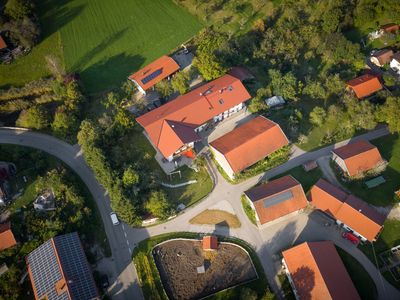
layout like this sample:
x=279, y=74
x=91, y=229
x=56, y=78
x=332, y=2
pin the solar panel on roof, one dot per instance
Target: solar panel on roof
x=277, y=199
x=151, y=76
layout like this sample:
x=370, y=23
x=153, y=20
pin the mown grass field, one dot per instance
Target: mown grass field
x=103, y=40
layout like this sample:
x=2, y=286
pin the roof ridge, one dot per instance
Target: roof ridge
x=358, y=211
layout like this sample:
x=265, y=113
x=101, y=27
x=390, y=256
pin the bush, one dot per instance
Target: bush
x=158, y=205
x=35, y=117
x=18, y=9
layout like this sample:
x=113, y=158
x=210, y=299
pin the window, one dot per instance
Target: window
x=221, y=101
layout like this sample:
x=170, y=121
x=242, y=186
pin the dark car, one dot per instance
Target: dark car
x=104, y=282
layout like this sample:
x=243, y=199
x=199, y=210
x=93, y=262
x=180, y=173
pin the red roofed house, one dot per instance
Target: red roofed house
x=364, y=85
x=173, y=127
x=276, y=199
x=7, y=239
x=248, y=144
x=210, y=242
x=390, y=27
x=316, y=272
x=358, y=157
x=382, y=57
x=351, y=212
x=153, y=73
x=3, y=44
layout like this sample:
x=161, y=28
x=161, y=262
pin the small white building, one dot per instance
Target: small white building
x=275, y=101
x=45, y=202
x=395, y=63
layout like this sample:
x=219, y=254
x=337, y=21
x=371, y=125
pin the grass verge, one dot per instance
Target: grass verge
x=250, y=213
x=150, y=280
x=216, y=217
x=362, y=281
x=286, y=287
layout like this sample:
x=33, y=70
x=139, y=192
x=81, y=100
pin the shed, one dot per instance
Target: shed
x=275, y=101
x=210, y=242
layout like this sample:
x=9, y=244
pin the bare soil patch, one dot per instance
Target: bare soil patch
x=216, y=217
x=177, y=262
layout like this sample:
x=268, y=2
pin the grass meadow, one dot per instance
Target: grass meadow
x=103, y=40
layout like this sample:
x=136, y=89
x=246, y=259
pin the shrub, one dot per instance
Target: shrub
x=35, y=117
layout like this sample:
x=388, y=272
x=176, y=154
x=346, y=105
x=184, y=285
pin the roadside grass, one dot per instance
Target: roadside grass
x=382, y=195
x=104, y=41
x=362, y=281
x=216, y=217
x=388, y=238
x=307, y=179
x=250, y=213
x=150, y=281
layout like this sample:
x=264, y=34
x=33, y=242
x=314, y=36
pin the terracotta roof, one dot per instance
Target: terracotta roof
x=3, y=44
x=396, y=56
x=277, y=198
x=318, y=272
x=390, y=27
x=155, y=72
x=359, y=156
x=194, y=108
x=348, y=209
x=384, y=56
x=7, y=239
x=210, y=242
x=365, y=85
x=251, y=142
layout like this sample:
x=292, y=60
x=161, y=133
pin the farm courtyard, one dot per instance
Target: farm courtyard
x=177, y=262
x=104, y=41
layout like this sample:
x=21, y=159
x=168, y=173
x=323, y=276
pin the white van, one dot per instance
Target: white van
x=114, y=218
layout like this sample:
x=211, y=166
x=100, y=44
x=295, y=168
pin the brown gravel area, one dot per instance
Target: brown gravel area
x=177, y=262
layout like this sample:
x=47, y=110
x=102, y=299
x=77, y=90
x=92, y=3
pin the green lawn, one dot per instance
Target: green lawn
x=307, y=179
x=103, y=40
x=382, y=195
x=362, y=281
x=251, y=214
x=150, y=281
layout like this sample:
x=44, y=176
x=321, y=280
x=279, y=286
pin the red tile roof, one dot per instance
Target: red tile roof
x=3, y=44
x=7, y=239
x=251, y=142
x=318, y=272
x=348, y=209
x=193, y=109
x=277, y=198
x=161, y=68
x=210, y=242
x=383, y=56
x=365, y=85
x=359, y=156
x=390, y=27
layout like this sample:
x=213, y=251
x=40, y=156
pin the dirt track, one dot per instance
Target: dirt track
x=177, y=262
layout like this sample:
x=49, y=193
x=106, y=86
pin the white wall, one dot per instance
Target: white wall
x=220, y=158
x=340, y=162
x=394, y=64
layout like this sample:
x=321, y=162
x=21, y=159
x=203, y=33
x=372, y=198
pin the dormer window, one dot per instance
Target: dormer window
x=221, y=101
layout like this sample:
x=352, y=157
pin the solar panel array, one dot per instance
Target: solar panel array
x=75, y=267
x=151, y=76
x=45, y=271
x=277, y=199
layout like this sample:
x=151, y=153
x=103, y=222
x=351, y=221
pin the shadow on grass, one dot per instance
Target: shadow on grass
x=54, y=16
x=109, y=73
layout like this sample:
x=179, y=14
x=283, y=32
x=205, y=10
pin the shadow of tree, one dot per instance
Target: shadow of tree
x=304, y=280
x=99, y=73
x=53, y=16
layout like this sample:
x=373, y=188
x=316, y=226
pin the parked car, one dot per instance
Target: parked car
x=351, y=237
x=114, y=218
x=104, y=282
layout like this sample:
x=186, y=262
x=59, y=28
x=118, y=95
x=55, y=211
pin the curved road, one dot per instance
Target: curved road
x=267, y=242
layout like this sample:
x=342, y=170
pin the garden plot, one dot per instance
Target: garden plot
x=189, y=272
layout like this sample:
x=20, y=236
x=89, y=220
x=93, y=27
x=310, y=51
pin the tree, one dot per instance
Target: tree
x=315, y=90
x=389, y=80
x=317, y=116
x=158, y=204
x=24, y=32
x=206, y=61
x=180, y=82
x=331, y=19
x=18, y=9
x=130, y=177
x=248, y=294
x=164, y=88
x=88, y=134
x=286, y=85
x=35, y=117
x=63, y=123
x=389, y=113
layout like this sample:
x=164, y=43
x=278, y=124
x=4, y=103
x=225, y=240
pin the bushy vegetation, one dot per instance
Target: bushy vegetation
x=250, y=213
x=74, y=211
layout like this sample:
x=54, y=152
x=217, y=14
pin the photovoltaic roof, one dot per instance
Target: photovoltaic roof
x=46, y=270
x=151, y=76
x=277, y=199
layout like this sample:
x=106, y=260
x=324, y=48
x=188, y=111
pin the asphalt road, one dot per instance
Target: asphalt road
x=267, y=242
x=124, y=279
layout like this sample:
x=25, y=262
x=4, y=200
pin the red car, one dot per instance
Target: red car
x=351, y=237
